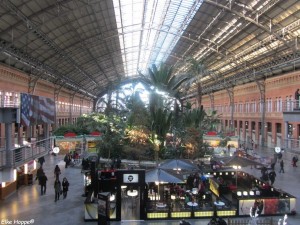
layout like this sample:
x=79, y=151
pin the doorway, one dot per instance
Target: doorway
x=130, y=203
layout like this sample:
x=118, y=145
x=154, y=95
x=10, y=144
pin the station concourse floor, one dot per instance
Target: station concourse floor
x=28, y=205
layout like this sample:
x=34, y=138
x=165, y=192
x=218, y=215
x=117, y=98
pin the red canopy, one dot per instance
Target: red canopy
x=70, y=134
x=95, y=133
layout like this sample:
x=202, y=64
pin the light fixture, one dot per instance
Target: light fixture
x=25, y=168
x=173, y=197
x=239, y=193
x=112, y=197
x=257, y=193
x=251, y=193
x=245, y=193
x=132, y=193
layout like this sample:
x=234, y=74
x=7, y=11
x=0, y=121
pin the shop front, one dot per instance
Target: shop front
x=226, y=194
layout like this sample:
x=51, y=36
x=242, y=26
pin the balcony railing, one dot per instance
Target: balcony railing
x=24, y=154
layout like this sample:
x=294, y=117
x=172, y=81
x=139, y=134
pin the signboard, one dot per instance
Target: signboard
x=102, y=207
x=130, y=178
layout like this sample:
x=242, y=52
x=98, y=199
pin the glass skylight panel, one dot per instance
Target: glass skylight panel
x=148, y=33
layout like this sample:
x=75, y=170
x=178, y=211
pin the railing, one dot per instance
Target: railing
x=250, y=221
x=291, y=106
x=18, y=156
x=9, y=99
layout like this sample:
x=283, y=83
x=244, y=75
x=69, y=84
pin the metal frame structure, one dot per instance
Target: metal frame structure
x=90, y=46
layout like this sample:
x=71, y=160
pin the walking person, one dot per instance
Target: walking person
x=41, y=160
x=281, y=166
x=65, y=187
x=67, y=160
x=228, y=149
x=43, y=182
x=272, y=176
x=39, y=173
x=294, y=161
x=57, y=189
x=57, y=172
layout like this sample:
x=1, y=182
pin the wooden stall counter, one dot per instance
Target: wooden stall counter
x=8, y=190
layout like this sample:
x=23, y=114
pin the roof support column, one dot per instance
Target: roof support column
x=231, y=99
x=71, y=101
x=262, y=89
x=56, y=94
x=212, y=101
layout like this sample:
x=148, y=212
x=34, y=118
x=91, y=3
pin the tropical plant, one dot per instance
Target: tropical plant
x=61, y=131
x=213, y=119
x=194, y=121
x=112, y=137
x=197, y=71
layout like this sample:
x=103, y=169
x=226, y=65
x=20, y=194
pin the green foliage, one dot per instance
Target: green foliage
x=138, y=114
x=61, y=131
x=223, y=142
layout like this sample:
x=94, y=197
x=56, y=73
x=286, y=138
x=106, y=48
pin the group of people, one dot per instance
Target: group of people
x=70, y=159
x=60, y=188
x=115, y=163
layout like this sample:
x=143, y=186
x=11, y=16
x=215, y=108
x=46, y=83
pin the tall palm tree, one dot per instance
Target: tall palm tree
x=197, y=71
x=194, y=121
x=161, y=122
x=162, y=79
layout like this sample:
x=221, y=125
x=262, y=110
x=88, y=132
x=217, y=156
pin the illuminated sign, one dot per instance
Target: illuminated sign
x=130, y=178
x=214, y=187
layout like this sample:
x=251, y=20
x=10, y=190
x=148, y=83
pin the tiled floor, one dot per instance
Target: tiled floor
x=27, y=204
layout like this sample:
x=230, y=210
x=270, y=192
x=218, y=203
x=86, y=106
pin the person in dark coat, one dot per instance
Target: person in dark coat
x=39, y=173
x=118, y=163
x=41, y=160
x=43, y=182
x=57, y=189
x=57, y=172
x=294, y=161
x=281, y=166
x=272, y=176
x=65, y=187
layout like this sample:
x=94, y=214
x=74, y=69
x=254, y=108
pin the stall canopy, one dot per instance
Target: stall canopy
x=240, y=161
x=161, y=175
x=179, y=164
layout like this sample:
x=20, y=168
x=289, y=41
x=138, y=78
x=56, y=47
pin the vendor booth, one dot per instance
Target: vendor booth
x=167, y=194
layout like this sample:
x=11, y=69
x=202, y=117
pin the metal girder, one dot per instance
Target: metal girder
x=88, y=51
x=41, y=35
x=43, y=68
x=32, y=83
x=266, y=29
x=260, y=72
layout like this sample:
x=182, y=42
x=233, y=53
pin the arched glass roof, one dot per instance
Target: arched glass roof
x=90, y=46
